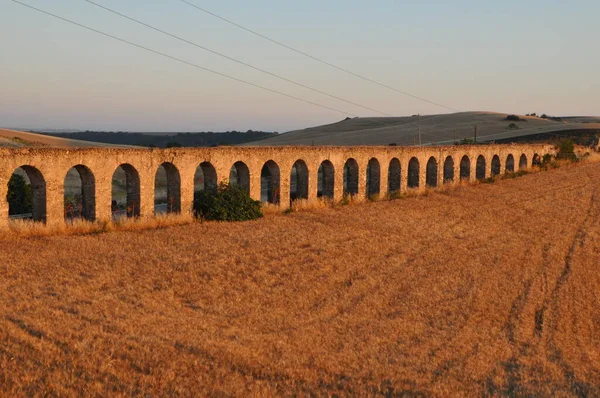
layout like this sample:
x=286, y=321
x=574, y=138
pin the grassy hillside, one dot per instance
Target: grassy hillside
x=167, y=139
x=436, y=129
x=14, y=138
x=486, y=289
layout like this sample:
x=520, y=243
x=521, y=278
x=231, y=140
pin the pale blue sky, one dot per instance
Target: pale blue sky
x=510, y=56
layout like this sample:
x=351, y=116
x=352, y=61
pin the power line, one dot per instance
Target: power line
x=234, y=59
x=318, y=59
x=181, y=60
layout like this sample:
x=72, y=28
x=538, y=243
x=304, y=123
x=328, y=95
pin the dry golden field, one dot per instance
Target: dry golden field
x=491, y=289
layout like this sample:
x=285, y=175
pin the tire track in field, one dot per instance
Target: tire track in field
x=514, y=366
x=546, y=317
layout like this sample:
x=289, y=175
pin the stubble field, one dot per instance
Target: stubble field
x=487, y=289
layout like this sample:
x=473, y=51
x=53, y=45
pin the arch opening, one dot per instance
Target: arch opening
x=325, y=183
x=480, y=168
x=413, y=173
x=537, y=160
x=299, y=181
x=167, y=189
x=431, y=178
x=125, y=192
x=496, y=168
x=26, y=195
x=269, y=183
x=448, y=170
x=205, y=178
x=373, y=177
x=394, y=175
x=510, y=164
x=80, y=194
x=465, y=168
x=523, y=162
x=240, y=175
x=351, y=177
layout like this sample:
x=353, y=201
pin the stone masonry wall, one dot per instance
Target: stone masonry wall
x=53, y=165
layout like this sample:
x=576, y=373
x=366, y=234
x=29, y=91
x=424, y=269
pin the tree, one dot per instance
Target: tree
x=513, y=126
x=20, y=196
x=515, y=118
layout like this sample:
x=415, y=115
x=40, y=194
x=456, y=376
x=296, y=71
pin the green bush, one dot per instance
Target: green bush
x=394, y=195
x=226, y=203
x=345, y=200
x=566, y=150
x=514, y=174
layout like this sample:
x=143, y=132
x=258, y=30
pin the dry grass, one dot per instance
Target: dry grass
x=29, y=228
x=491, y=289
x=320, y=203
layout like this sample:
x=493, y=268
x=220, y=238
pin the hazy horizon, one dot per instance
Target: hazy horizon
x=513, y=58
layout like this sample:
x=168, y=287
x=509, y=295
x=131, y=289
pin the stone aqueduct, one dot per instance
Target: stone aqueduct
x=319, y=171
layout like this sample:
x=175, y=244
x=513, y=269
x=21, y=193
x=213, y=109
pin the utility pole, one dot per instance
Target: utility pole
x=475, y=139
x=419, y=129
x=455, y=136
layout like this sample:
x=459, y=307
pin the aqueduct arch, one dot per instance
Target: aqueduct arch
x=351, y=177
x=373, y=177
x=126, y=197
x=480, y=168
x=448, y=170
x=34, y=204
x=299, y=181
x=270, y=183
x=326, y=180
x=510, y=164
x=394, y=175
x=205, y=177
x=496, y=167
x=432, y=172
x=167, y=189
x=523, y=162
x=465, y=168
x=80, y=193
x=239, y=175
x=413, y=173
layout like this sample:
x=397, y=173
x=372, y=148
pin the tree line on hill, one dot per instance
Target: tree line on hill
x=204, y=139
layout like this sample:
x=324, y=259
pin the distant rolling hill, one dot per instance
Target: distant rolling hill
x=15, y=138
x=435, y=129
x=166, y=140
